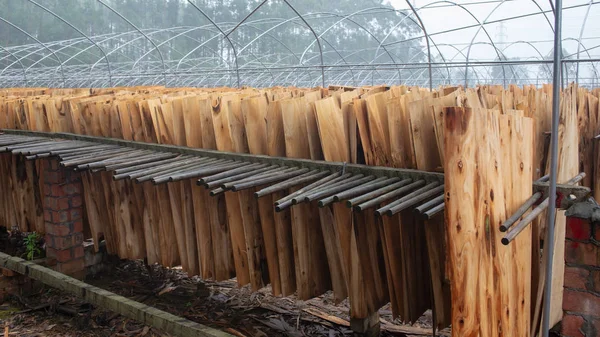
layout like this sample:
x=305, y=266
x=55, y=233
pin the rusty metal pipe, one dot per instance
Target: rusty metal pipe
x=338, y=187
x=332, y=184
x=301, y=179
x=139, y=167
x=216, y=191
x=344, y=187
x=516, y=230
x=230, y=173
x=414, y=198
x=430, y=213
x=155, y=171
x=22, y=143
x=362, y=198
x=93, y=158
x=120, y=159
x=81, y=149
x=200, y=171
x=429, y=204
x=150, y=158
x=364, y=188
x=328, y=179
x=392, y=194
x=114, y=158
x=30, y=145
x=165, y=171
x=240, y=176
x=274, y=178
x=48, y=148
x=279, y=170
x=88, y=154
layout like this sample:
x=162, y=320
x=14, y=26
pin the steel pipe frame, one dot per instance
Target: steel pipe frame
x=323, y=67
x=38, y=41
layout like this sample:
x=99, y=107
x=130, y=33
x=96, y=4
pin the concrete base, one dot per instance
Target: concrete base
x=366, y=327
x=94, y=261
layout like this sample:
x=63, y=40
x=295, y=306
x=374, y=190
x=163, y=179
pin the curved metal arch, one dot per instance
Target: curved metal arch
x=251, y=25
x=59, y=50
x=236, y=57
x=474, y=25
x=315, y=34
x=347, y=17
x=174, y=37
x=255, y=57
x=126, y=43
x=480, y=28
x=41, y=43
x=80, y=32
x=141, y=32
x=343, y=18
x=586, y=50
x=292, y=20
x=21, y=50
x=20, y=63
x=426, y=40
x=425, y=35
x=224, y=35
x=587, y=13
x=107, y=39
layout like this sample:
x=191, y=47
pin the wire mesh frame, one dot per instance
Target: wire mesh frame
x=248, y=69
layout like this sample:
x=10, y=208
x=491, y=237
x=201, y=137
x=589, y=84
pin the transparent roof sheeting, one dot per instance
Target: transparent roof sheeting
x=209, y=43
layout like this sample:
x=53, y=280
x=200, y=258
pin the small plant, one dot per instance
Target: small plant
x=31, y=246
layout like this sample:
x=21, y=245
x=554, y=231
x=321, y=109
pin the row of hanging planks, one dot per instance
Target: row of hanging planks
x=490, y=142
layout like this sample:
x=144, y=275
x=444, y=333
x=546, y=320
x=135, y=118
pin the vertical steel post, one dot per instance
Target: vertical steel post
x=556, y=88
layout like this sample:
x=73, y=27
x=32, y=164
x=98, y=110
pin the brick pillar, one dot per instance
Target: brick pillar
x=581, y=299
x=63, y=209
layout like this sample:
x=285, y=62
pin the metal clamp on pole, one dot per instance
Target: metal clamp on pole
x=566, y=195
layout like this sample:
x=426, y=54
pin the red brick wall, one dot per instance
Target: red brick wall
x=63, y=211
x=581, y=299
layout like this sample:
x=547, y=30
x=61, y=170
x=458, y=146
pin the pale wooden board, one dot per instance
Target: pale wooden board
x=220, y=232
x=222, y=137
x=283, y=225
x=313, y=276
x=254, y=110
x=248, y=204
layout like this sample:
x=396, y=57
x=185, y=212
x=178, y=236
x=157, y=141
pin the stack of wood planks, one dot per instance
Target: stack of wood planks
x=489, y=141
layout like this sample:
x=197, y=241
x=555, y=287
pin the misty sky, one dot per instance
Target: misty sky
x=534, y=29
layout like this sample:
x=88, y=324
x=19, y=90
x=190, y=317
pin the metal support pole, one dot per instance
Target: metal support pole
x=556, y=87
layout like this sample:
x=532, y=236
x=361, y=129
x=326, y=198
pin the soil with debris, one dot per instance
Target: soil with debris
x=222, y=305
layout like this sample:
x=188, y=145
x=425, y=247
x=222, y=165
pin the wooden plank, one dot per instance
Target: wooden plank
x=467, y=269
x=132, y=194
x=358, y=236
x=248, y=204
x=161, y=203
x=188, y=214
x=313, y=276
x=568, y=140
x=380, y=130
x=224, y=142
x=128, y=213
x=199, y=228
x=423, y=134
x=438, y=116
x=225, y=265
x=517, y=159
x=283, y=224
x=254, y=110
x=162, y=119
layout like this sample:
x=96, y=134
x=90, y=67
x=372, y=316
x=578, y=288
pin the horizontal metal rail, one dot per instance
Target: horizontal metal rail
x=326, y=182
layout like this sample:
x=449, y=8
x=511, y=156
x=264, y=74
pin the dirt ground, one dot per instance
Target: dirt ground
x=41, y=311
